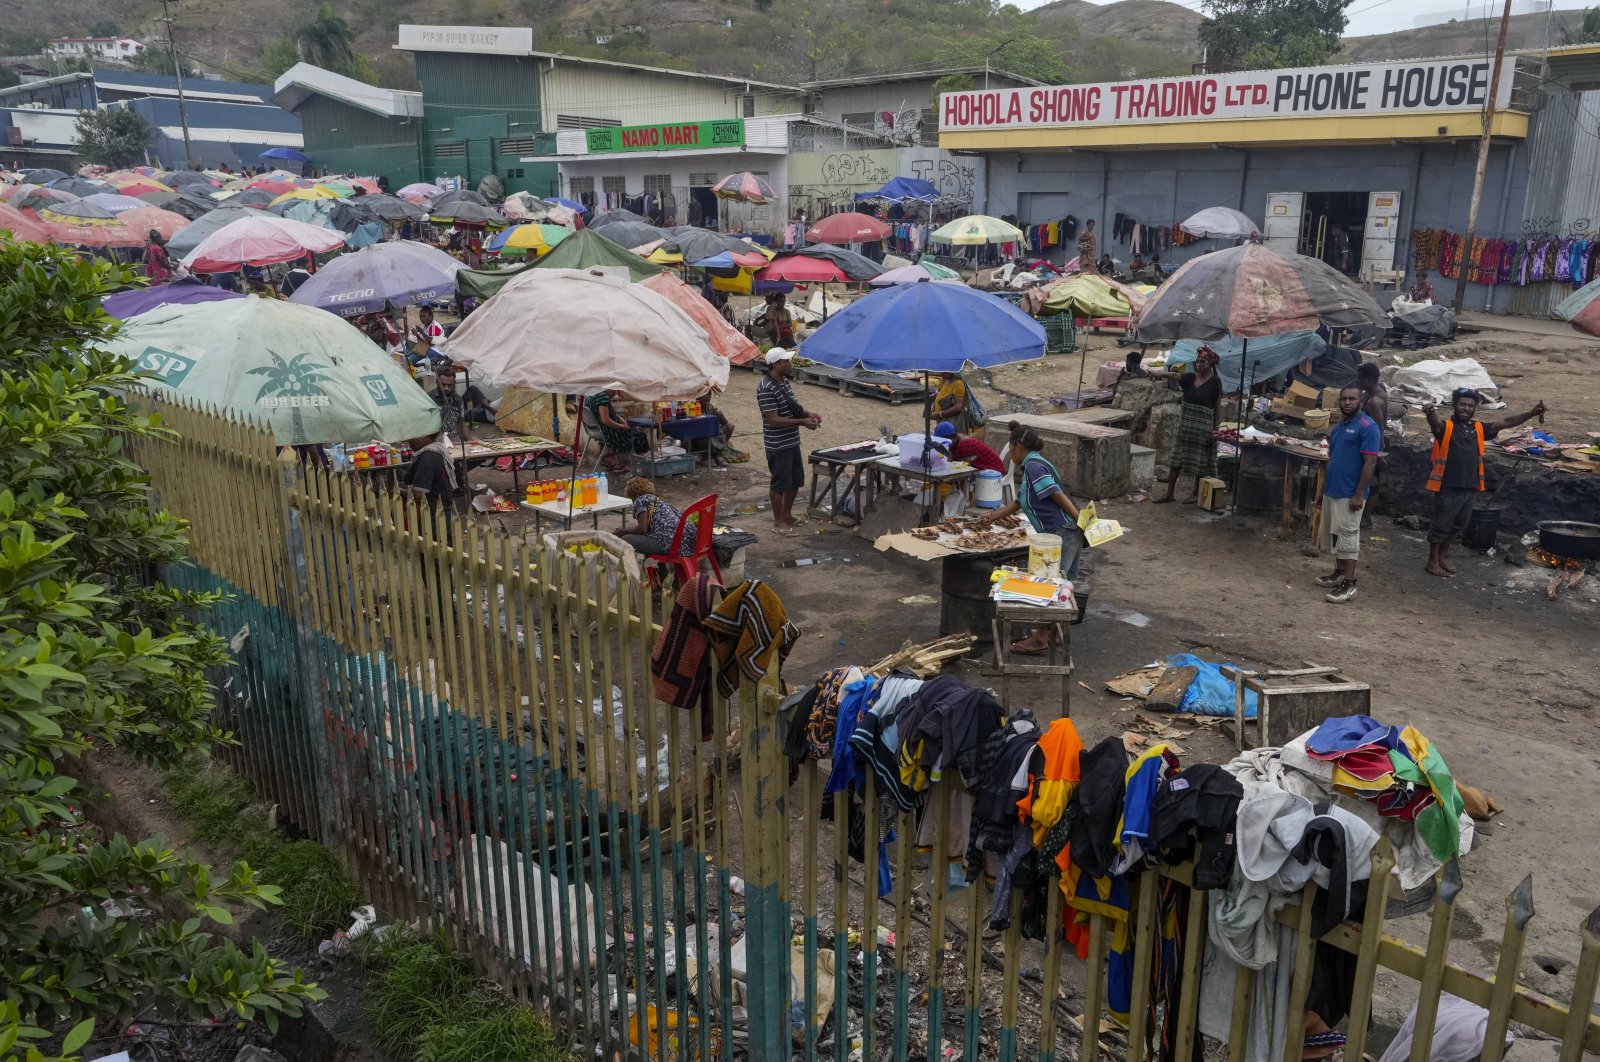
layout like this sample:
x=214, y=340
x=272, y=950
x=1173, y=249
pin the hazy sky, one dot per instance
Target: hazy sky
x=1381, y=16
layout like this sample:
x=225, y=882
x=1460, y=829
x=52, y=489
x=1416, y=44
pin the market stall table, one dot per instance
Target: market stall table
x=480, y=451
x=889, y=470
x=831, y=465
x=565, y=514
x=688, y=429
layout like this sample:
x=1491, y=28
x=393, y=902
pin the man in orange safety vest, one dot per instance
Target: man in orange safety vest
x=1456, y=478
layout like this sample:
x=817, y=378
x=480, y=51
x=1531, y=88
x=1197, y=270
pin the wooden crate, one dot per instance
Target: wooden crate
x=1288, y=703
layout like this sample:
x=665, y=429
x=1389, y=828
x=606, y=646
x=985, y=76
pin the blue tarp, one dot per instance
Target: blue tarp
x=903, y=189
x=1209, y=693
x=1265, y=358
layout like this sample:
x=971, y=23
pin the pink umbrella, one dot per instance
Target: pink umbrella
x=366, y=184
x=744, y=187
x=258, y=241
x=142, y=219
x=98, y=234
x=851, y=227
x=802, y=270
x=275, y=187
x=725, y=339
x=22, y=226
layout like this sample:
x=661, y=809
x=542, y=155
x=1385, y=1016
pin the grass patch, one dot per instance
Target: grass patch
x=222, y=811
x=425, y=1003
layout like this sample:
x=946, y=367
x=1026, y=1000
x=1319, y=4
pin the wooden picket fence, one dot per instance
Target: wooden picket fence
x=466, y=717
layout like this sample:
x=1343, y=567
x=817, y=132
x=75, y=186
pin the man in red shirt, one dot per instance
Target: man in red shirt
x=973, y=451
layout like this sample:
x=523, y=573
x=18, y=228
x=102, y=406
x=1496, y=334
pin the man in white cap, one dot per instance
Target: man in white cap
x=782, y=417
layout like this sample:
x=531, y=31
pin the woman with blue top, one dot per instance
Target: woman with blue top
x=1043, y=500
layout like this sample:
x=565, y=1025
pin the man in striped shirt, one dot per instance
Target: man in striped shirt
x=782, y=417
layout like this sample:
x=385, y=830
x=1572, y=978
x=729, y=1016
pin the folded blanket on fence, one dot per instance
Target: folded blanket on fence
x=679, y=663
x=747, y=629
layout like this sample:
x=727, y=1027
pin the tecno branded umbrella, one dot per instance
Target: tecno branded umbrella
x=849, y=227
x=398, y=273
x=114, y=202
x=314, y=377
x=631, y=339
x=1251, y=291
x=260, y=239
x=1223, y=223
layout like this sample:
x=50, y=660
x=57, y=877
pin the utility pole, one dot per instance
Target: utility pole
x=183, y=106
x=1460, y=295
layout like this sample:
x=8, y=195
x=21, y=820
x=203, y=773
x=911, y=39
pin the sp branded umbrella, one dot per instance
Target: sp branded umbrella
x=314, y=377
x=1224, y=223
x=631, y=339
x=185, y=292
x=260, y=239
x=365, y=281
x=1251, y=291
x=849, y=227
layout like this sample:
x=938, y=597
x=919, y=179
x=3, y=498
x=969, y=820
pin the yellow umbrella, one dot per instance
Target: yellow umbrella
x=335, y=189
x=977, y=229
x=521, y=239
x=662, y=256
x=1089, y=295
x=304, y=193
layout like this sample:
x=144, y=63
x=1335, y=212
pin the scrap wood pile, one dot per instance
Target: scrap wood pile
x=927, y=659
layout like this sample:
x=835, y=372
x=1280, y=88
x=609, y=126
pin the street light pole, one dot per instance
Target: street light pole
x=1460, y=295
x=177, y=70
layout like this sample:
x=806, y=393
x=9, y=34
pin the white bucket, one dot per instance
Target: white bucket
x=1044, y=556
x=987, y=493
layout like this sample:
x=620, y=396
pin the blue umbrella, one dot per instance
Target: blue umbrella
x=365, y=281
x=575, y=207
x=926, y=327
x=282, y=153
x=185, y=292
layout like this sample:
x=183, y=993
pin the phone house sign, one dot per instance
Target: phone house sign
x=1310, y=92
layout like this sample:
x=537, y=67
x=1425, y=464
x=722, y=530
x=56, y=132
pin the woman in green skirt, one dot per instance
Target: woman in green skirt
x=1195, y=451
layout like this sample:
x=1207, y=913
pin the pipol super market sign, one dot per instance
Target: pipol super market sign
x=1307, y=92
x=668, y=136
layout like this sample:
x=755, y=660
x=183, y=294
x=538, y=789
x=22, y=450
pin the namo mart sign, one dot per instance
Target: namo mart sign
x=1308, y=92
x=667, y=136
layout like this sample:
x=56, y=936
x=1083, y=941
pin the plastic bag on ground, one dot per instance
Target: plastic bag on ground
x=1210, y=693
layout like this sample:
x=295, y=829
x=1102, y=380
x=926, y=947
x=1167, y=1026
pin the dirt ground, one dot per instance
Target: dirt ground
x=1504, y=681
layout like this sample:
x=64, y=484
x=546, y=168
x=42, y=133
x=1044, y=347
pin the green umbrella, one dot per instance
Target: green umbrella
x=315, y=377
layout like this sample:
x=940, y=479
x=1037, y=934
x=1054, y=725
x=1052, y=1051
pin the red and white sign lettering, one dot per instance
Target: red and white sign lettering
x=1375, y=88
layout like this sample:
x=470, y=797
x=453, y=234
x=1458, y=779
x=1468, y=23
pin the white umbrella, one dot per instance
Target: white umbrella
x=580, y=331
x=1219, y=222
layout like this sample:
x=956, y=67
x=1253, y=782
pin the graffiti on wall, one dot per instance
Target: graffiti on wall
x=831, y=176
x=952, y=178
x=903, y=126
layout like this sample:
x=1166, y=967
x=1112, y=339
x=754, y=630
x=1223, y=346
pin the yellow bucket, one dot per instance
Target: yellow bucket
x=1044, y=556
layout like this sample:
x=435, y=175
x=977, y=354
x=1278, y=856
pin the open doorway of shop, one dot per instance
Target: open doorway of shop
x=1331, y=228
x=702, y=204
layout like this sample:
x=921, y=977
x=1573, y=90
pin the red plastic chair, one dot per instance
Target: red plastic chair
x=687, y=566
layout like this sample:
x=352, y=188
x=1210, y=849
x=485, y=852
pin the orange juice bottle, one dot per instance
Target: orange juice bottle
x=591, y=490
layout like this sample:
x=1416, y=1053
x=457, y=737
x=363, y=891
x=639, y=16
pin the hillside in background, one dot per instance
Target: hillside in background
x=774, y=40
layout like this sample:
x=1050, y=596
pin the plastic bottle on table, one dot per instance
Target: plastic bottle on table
x=603, y=488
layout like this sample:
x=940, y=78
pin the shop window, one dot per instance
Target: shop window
x=747, y=106
x=702, y=180
x=579, y=186
x=614, y=185
x=578, y=121
x=658, y=183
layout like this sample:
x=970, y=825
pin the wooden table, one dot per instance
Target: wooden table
x=887, y=469
x=1018, y=620
x=832, y=464
x=477, y=454
x=560, y=513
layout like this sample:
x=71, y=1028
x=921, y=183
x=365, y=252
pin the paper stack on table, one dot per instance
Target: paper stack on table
x=1013, y=586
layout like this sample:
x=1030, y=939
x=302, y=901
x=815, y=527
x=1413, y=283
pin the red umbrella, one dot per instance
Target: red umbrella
x=22, y=226
x=802, y=270
x=275, y=187
x=98, y=234
x=745, y=187
x=142, y=219
x=366, y=184
x=851, y=227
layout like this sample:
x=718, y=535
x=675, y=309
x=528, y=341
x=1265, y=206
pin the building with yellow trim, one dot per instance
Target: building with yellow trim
x=1378, y=151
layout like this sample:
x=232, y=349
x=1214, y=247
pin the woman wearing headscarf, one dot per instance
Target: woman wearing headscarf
x=1195, y=451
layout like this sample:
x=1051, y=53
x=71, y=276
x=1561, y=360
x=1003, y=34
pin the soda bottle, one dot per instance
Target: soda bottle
x=531, y=495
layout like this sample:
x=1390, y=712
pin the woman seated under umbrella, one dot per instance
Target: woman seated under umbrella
x=618, y=435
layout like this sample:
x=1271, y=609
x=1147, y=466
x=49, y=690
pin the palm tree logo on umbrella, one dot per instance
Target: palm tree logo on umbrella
x=293, y=383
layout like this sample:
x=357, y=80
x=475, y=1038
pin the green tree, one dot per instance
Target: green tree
x=9, y=77
x=279, y=56
x=21, y=42
x=1270, y=34
x=1588, y=31
x=95, y=653
x=161, y=61
x=105, y=28
x=112, y=138
x=327, y=41
x=1009, y=44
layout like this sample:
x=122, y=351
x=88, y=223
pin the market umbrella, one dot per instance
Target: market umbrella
x=802, y=270
x=419, y=190
x=78, y=186
x=398, y=273
x=976, y=229
x=338, y=189
x=285, y=153
x=849, y=227
x=460, y=195
x=77, y=212
x=855, y=266
x=1252, y=290
x=589, y=248
x=157, y=199
x=190, y=206
x=114, y=202
x=258, y=240
x=42, y=175
x=94, y=233
x=366, y=185
x=1084, y=295
x=139, y=186
x=726, y=340
x=632, y=339
x=348, y=215
x=913, y=274
x=520, y=239
x=314, y=377
x=467, y=214
x=179, y=179
x=266, y=184
x=1223, y=223
x=570, y=204
x=21, y=226
x=186, y=292
x=744, y=187
x=140, y=220
x=627, y=228
x=317, y=192
x=393, y=208
x=34, y=196
x=259, y=199
x=317, y=212
x=694, y=243
x=188, y=238
x=1581, y=309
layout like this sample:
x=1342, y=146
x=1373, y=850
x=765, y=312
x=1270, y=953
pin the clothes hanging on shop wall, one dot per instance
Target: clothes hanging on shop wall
x=1425, y=249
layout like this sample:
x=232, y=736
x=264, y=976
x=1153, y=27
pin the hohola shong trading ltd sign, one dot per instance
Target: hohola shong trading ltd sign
x=1309, y=92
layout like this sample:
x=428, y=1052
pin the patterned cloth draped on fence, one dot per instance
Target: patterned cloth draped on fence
x=468, y=720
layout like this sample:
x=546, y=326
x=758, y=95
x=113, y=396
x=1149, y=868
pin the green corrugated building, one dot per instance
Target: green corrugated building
x=353, y=127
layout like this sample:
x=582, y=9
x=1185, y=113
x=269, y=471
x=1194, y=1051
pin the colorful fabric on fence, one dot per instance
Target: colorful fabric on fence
x=678, y=663
x=750, y=632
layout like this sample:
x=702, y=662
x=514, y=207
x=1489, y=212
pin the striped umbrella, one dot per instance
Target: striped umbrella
x=1581, y=309
x=744, y=187
x=521, y=239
